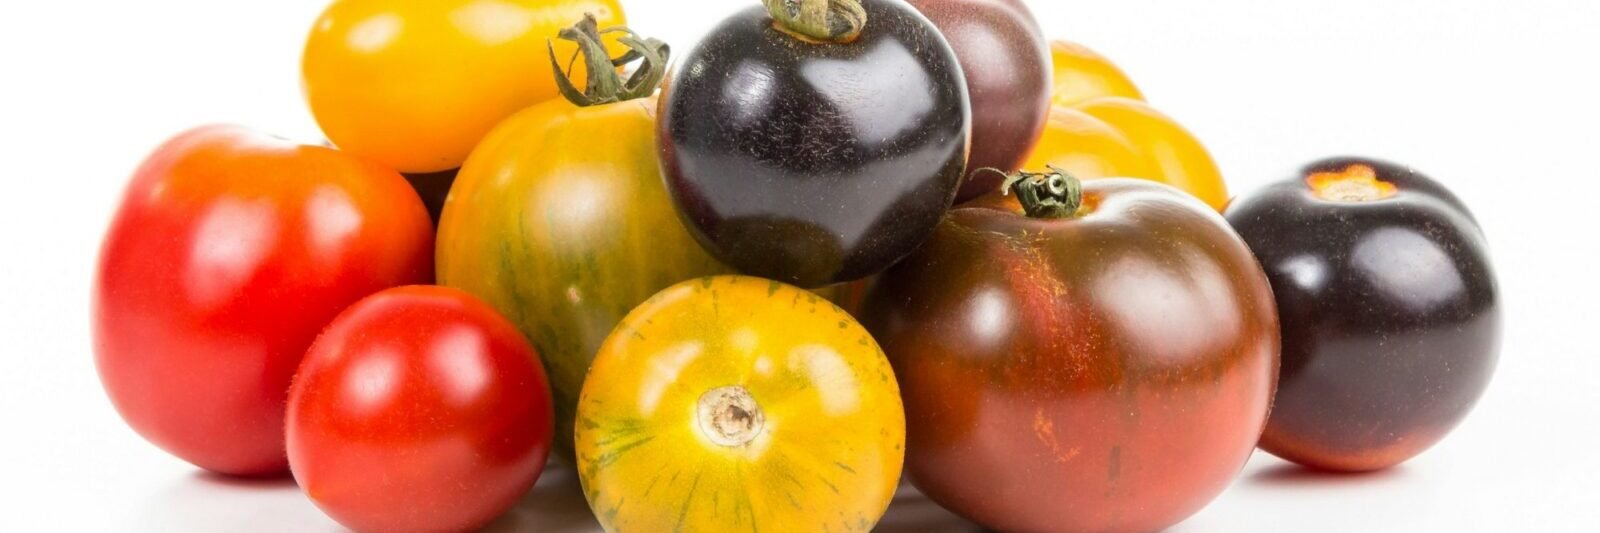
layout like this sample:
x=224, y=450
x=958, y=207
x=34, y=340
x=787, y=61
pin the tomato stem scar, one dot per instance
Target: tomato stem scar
x=1356, y=183
x=730, y=416
x=828, y=21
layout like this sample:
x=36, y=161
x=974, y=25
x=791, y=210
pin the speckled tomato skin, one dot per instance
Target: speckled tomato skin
x=1106, y=373
x=1391, y=316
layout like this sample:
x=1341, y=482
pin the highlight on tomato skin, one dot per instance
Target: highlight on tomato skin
x=1390, y=309
x=230, y=251
x=419, y=409
x=1061, y=347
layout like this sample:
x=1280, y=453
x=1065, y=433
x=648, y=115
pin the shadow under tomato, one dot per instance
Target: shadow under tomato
x=1294, y=475
x=913, y=512
x=205, y=501
x=556, y=504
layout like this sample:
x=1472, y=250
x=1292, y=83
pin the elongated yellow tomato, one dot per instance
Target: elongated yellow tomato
x=739, y=404
x=416, y=84
x=1082, y=74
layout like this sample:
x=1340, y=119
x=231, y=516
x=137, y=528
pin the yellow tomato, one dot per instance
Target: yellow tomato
x=736, y=403
x=1177, y=156
x=1082, y=74
x=1119, y=137
x=1087, y=148
x=415, y=85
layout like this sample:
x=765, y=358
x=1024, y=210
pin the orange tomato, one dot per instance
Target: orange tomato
x=416, y=85
x=1082, y=74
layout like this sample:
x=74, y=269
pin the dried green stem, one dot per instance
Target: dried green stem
x=604, y=85
x=837, y=21
x=1054, y=194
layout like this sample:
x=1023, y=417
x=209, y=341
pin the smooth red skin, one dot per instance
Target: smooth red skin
x=419, y=409
x=1109, y=373
x=231, y=250
x=1006, y=60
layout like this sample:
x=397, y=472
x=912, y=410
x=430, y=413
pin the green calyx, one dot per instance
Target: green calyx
x=604, y=84
x=1053, y=194
x=836, y=21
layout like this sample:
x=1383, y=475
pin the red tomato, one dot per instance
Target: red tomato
x=231, y=250
x=419, y=409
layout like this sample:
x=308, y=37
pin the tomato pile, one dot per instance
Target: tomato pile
x=837, y=239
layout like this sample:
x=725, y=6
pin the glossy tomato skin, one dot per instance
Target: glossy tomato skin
x=1167, y=152
x=415, y=85
x=814, y=163
x=1007, y=66
x=1391, y=315
x=419, y=409
x=822, y=444
x=230, y=251
x=1106, y=373
x=1081, y=74
x=560, y=220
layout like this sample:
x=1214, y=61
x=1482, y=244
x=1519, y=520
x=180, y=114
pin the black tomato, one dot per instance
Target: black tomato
x=819, y=159
x=1390, y=311
x=1007, y=64
x=433, y=187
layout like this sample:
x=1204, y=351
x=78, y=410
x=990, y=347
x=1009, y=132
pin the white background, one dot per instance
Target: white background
x=1495, y=98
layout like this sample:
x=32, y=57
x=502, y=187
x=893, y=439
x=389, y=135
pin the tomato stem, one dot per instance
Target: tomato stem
x=604, y=85
x=1053, y=194
x=836, y=21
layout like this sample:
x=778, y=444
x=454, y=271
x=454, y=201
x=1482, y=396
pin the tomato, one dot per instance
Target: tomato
x=815, y=160
x=1095, y=137
x=415, y=85
x=230, y=251
x=1082, y=74
x=1007, y=67
x=1103, y=364
x=560, y=221
x=433, y=187
x=419, y=409
x=1391, y=312
x=735, y=403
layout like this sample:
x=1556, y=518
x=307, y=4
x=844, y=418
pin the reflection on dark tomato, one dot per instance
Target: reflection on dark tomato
x=1007, y=65
x=1094, y=364
x=1391, y=318
x=815, y=151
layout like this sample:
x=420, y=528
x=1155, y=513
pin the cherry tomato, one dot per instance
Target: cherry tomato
x=1096, y=365
x=414, y=85
x=1005, y=60
x=740, y=404
x=1082, y=74
x=1170, y=153
x=419, y=409
x=561, y=221
x=231, y=250
x=1391, y=311
x=815, y=160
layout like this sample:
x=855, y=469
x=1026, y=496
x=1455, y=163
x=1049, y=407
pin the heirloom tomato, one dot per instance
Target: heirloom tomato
x=1007, y=67
x=416, y=84
x=1094, y=359
x=816, y=142
x=1082, y=74
x=735, y=403
x=231, y=250
x=1390, y=309
x=1075, y=137
x=560, y=220
x=418, y=409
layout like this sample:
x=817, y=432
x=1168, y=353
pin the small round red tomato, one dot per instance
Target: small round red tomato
x=1095, y=365
x=231, y=250
x=419, y=409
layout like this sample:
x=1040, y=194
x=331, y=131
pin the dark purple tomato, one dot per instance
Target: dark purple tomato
x=1007, y=64
x=821, y=159
x=1106, y=367
x=1390, y=311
